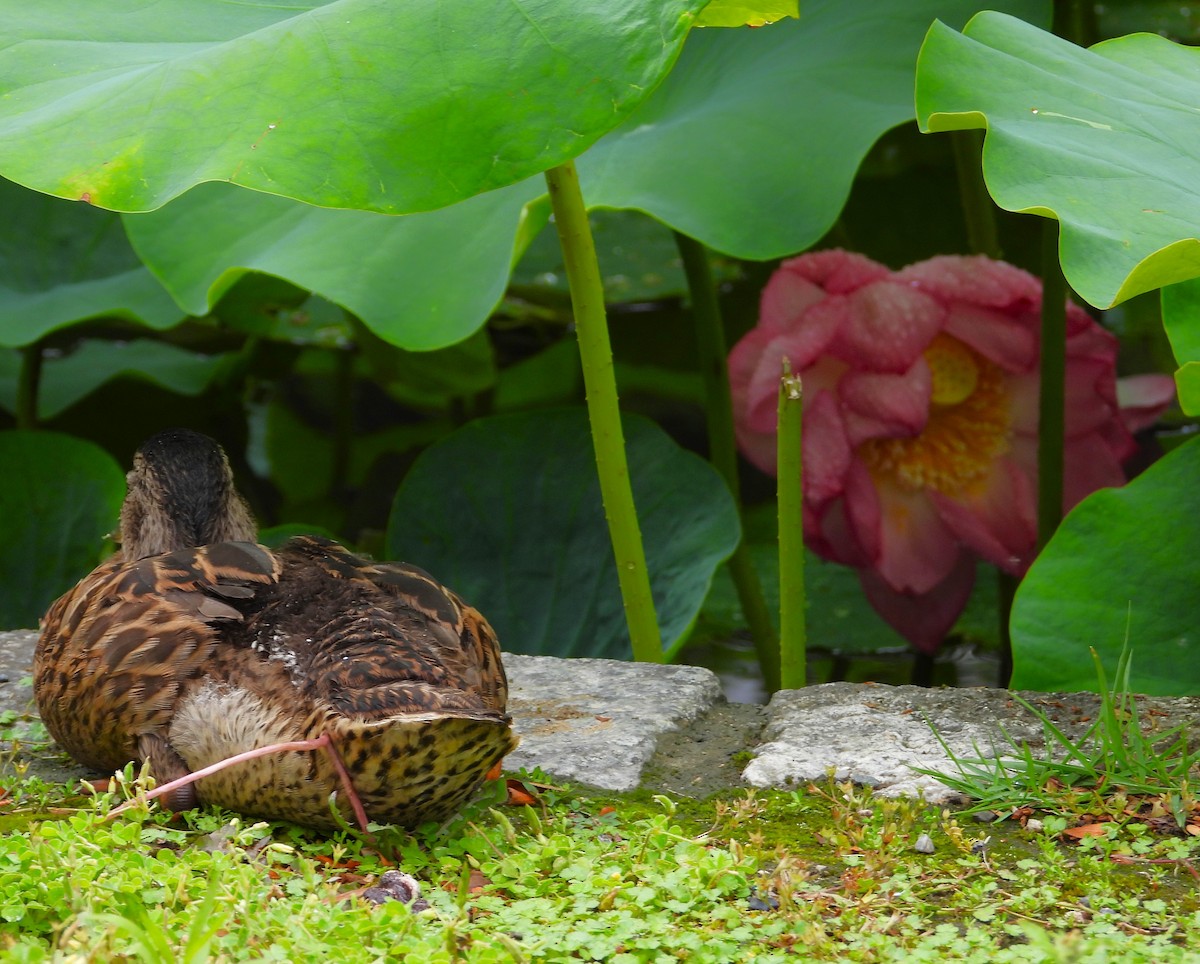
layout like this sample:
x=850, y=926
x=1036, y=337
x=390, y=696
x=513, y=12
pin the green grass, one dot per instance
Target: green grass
x=1114, y=766
x=826, y=874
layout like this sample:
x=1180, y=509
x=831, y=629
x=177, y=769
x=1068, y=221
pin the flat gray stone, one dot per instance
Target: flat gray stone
x=16, y=665
x=598, y=721
x=593, y=721
x=875, y=734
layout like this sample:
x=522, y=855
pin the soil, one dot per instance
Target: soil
x=709, y=754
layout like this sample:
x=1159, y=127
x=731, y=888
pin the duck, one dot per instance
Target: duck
x=229, y=667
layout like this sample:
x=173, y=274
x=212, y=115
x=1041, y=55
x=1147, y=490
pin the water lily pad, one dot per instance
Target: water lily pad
x=507, y=512
x=752, y=13
x=1106, y=140
x=1122, y=566
x=366, y=104
x=406, y=277
x=59, y=496
x=1181, y=319
x=752, y=142
x=63, y=262
x=69, y=378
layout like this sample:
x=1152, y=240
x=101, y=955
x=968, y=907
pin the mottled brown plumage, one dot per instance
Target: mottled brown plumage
x=193, y=644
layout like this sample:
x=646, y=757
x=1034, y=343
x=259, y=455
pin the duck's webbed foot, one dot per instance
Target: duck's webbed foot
x=172, y=773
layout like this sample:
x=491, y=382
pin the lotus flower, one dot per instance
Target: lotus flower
x=920, y=419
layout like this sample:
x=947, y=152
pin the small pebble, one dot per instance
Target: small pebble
x=1033, y=825
x=754, y=902
x=394, y=885
x=924, y=844
x=986, y=816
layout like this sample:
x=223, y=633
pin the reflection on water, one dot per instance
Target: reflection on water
x=956, y=664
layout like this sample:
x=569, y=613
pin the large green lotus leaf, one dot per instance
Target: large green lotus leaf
x=752, y=13
x=270, y=308
x=740, y=100
x=421, y=281
x=62, y=262
x=1181, y=319
x=304, y=459
x=366, y=104
x=507, y=512
x=752, y=142
x=1106, y=140
x=1122, y=566
x=59, y=496
x=67, y=379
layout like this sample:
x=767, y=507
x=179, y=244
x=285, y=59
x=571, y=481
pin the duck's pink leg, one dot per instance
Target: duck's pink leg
x=321, y=742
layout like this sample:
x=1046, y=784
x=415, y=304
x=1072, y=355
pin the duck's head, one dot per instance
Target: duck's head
x=180, y=494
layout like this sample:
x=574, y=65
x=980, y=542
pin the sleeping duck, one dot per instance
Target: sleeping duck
x=314, y=669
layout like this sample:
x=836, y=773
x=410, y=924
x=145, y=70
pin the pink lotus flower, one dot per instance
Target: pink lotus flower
x=920, y=419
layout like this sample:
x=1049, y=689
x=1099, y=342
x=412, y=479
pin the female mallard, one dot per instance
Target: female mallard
x=192, y=644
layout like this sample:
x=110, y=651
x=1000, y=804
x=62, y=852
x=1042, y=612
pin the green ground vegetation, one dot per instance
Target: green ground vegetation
x=821, y=873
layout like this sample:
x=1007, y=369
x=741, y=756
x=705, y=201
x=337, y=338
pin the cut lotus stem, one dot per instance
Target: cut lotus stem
x=722, y=445
x=608, y=438
x=793, y=635
x=1052, y=403
x=322, y=742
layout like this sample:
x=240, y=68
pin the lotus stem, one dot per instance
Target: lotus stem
x=978, y=210
x=793, y=636
x=1075, y=20
x=343, y=423
x=979, y=214
x=28, y=382
x=722, y=447
x=1052, y=404
x=1006, y=584
x=608, y=438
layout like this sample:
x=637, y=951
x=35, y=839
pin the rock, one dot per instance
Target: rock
x=597, y=721
x=875, y=735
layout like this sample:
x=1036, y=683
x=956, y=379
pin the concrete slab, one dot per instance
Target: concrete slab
x=592, y=721
x=16, y=664
x=617, y=726
x=875, y=735
x=598, y=721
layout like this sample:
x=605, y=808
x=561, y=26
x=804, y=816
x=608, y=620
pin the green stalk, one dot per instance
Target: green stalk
x=1052, y=404
x=980, y=215
x=1075, y=20
x=722, y=447
x=1006, y=584
x=978, y=210
x=591, y=327
x=793, y=637
x=28, y=381
x=343, y=423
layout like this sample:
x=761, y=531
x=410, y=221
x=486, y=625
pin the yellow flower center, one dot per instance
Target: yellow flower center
x=953, y=368
x=968, y=426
